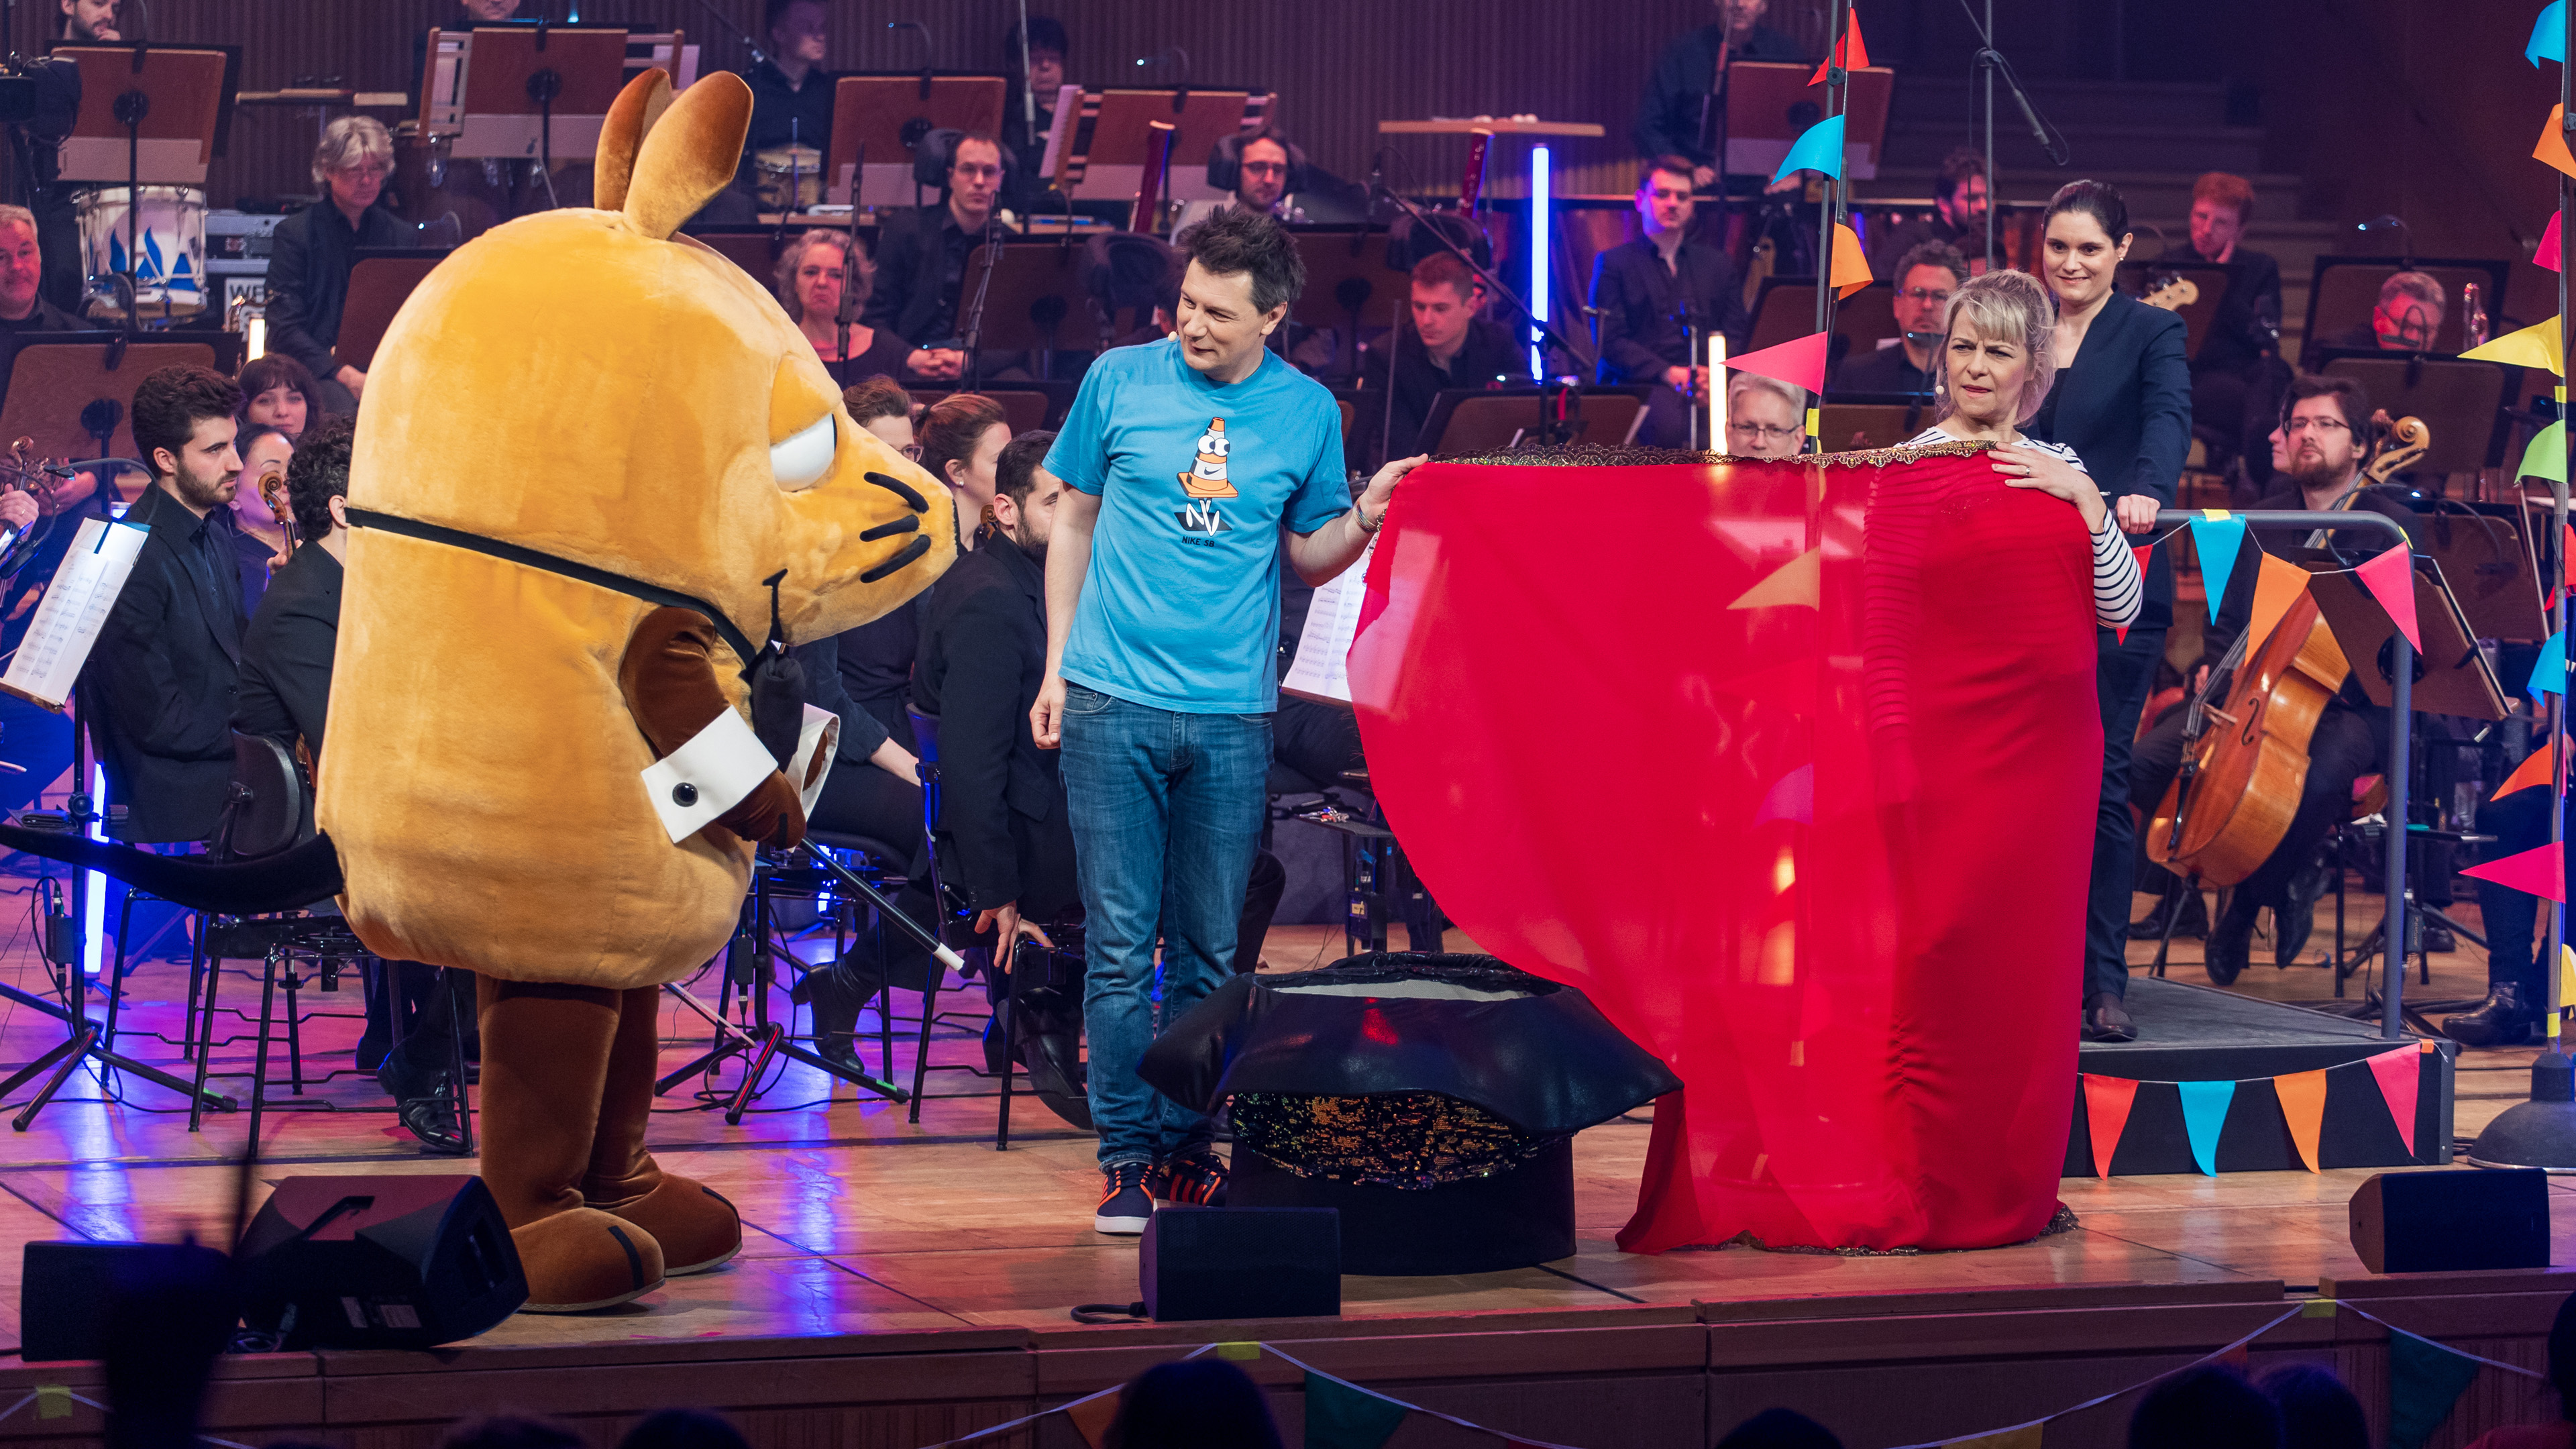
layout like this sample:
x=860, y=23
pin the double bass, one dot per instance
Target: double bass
x=2245, y=760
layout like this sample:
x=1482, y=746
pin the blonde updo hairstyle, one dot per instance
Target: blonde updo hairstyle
x=2003, y=306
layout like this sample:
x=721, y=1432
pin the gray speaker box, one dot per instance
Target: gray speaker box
x=1206, y=1262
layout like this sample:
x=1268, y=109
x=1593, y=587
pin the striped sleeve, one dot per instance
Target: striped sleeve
x=2117, y=591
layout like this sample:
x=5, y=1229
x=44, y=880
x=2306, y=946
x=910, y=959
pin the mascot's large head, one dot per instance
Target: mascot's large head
x=591, y=385
x=576, y=414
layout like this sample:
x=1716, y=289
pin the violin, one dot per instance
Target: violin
x=2245, y=761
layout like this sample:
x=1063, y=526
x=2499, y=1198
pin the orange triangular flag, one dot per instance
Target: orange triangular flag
x=2303, y=1107
x=2538, y=871
x=2534, y=770
x=1851, y=266
x=1092, y=1417
x=2277, y=585
x=2107, y=1101
x=2398, y=1073
x=2391, y=580
x=1799, y=362
x=1851, y=54
x=2553, y=142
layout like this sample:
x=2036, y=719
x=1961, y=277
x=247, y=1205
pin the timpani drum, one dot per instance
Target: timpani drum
x=170, y=236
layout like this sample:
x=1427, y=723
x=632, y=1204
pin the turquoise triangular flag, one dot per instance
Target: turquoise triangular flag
x=2217, y=540
x=2424, y=1381
x=1342, y=1416
x=2549, y=671
x=2548, y=35
x=1821, y=149
x=2204, y=1112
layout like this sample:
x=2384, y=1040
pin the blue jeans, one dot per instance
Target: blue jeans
x=1166, y=812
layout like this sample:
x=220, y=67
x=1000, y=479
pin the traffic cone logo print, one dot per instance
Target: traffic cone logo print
x=1206, y=478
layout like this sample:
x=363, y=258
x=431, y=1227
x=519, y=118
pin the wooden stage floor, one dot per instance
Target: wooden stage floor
x=918, y=1249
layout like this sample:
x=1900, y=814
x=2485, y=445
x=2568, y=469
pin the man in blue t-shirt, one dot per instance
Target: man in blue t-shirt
x=1191, y=466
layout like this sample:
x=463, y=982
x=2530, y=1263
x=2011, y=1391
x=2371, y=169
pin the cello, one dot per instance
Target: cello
x=2245, y=761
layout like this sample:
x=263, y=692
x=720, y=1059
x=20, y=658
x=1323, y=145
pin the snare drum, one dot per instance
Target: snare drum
x=170, y=275
x=788, y=178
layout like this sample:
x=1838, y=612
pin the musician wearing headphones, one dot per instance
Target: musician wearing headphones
x=921, y=263
x=1267, y=170
x=2325, y=439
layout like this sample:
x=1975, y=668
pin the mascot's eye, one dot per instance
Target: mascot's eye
x=805, y=457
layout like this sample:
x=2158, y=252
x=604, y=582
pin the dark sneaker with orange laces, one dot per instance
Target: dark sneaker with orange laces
x=1124, y=1203
x=1193, y=1179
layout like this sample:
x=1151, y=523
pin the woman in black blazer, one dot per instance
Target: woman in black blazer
x=2123, y=403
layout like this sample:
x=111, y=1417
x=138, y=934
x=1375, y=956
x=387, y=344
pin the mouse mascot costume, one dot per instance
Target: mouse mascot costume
x=599, y=480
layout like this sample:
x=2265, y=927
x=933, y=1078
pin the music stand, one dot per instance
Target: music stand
x=2463, y=402
x=1116, y=140
x=148, y=113
x=1766, y=100
x=2212, y=279
x=1785, y=310
x=1489, y=420
x=1348, y=283
x=2343, y=291
x=2452, y=676
x=379, y=284
x=531, y=91
x=1868, y=421
x=60, y=390
x=2485, y=556
x=878, y=117
x=1030, y=294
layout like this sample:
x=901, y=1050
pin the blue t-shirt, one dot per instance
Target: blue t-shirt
x=1180, y=610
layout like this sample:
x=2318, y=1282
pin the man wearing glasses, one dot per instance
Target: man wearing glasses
x=921, y=265
x=1925, y=278
x=313, y=251
x=1765, y=417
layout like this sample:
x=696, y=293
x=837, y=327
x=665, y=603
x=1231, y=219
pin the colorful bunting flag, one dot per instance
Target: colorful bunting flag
x=2277, y=585
x=2204, y=1112
x=2547, y=455
x=1346, y=1416
x=2534, y=770
x=1791, y=798
x=1852, y=53
x=1795, y=584
x=2566, y=984
x=2143, y=554
x=1851, y=266
x=1092, y=1417
x=2398, y=1072
x=1821, y=149
x=2547, y=253
x=2391, y=580
x=2303, y=1107
x=1799, y=362
x=2539, y=871
x=2549, y=671
x=2107, y=1101
x=2424, y=1381
x=2548, y=35
x=2216, y=537
x=2553, y=143
x=2534, y=346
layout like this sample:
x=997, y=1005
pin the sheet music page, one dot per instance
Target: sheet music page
x=1068, y=112
x=74, y=609
x=1322, y=670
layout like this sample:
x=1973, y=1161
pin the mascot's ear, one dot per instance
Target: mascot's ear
x=638, y=106
x=685, y=159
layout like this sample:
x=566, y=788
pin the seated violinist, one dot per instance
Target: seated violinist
x=2324, y=437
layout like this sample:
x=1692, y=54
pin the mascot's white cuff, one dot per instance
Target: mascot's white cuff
x=820, y=737
x=708, y=776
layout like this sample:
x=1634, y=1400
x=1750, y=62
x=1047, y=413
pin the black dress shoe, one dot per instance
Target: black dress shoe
x=2231, y=944
x=2438, y=937
x=2505, y=1018
x=2193, y=926
x=431, y=1117
x=2293, y=921
x=2107, y=1019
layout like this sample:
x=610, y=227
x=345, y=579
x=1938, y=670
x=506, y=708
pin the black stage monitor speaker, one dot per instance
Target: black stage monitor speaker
x=1200, y=1262
x=2452, y=1221
x=67, y=1291
x=379, y=1262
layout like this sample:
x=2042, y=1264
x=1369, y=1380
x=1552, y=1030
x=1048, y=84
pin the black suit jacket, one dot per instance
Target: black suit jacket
x=1001, y=805
x=310, y=258
x=1640, y=336
x=2125, y=408
x=285, y=690
x=921, y=264
x=157, y=692
x=1487, y=352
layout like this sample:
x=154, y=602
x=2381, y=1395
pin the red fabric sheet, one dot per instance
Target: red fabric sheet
x=1792, y=768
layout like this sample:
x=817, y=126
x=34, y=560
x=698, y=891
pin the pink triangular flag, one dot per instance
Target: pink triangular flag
x=2534, y=872
x=2397, y=1073
x=2107, y=1101
x=1800, y=363
x=2547, y=256
x=2391, y=580
x=2145, y=553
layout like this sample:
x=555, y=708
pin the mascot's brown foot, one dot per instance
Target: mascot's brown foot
x=586, y=1259
x=697, y=1228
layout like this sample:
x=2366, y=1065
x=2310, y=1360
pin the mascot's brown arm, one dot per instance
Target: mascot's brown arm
x=669, y=677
